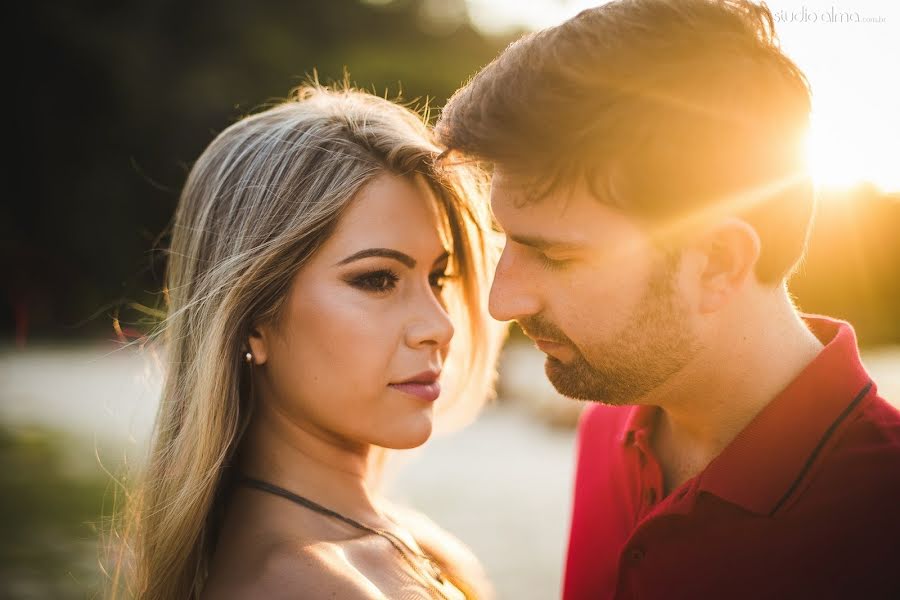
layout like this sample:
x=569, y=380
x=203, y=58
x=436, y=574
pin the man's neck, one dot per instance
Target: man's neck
x=727, y=386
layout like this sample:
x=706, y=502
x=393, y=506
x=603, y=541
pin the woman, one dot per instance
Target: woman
x=320, y=265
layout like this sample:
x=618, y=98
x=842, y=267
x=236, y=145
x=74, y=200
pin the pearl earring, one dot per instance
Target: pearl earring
x=248, y=358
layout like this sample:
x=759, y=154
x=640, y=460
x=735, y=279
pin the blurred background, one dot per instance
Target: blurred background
x=113, y=102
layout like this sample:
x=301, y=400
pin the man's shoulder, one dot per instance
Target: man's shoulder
x=858, y=471
x=874, y=432
x=884, y=415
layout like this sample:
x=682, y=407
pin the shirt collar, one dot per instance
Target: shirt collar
x=640, y=421
x=760, y=468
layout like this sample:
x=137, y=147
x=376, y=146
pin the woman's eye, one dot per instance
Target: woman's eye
x=438, y=280
x=377, y=281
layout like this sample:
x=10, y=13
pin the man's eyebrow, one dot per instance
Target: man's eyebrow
x=542, y=243
x=401, y=257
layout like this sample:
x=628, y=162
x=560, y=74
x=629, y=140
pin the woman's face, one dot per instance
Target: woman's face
x=357, y=355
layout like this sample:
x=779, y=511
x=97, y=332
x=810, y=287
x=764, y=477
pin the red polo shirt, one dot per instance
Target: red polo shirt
x=803, y=503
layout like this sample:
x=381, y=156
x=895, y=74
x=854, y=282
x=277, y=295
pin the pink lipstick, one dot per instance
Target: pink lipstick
x=425, y=385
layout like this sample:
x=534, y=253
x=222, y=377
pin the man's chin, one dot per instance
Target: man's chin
x=574, y=382
x=565, y=379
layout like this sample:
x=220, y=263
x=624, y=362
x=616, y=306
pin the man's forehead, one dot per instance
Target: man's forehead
x=569, y=216
x=515, y=197
x=539, y=223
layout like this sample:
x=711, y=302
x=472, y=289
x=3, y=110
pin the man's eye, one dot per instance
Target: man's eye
x=376, y=281
x=551, y=264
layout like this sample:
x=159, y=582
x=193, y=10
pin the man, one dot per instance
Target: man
x=648, y=172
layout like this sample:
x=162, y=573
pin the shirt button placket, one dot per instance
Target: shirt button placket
x=629, y=579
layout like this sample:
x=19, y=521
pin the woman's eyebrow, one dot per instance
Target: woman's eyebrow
x=401, y=257
x=405, y=259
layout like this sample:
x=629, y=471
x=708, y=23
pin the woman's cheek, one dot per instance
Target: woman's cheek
x=344, y=358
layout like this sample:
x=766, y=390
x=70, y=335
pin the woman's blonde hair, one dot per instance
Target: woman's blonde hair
x=259, y=201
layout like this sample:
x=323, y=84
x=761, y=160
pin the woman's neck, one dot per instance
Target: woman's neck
x=310, y=462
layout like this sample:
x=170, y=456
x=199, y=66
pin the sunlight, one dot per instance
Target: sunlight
x=834, y=161
x=847, y=50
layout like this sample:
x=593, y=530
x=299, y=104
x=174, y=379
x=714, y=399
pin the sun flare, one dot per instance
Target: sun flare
x=846, y=48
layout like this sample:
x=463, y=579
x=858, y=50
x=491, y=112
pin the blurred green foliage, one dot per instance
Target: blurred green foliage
x=116, y=99
x=50, y=516
x=852, y=266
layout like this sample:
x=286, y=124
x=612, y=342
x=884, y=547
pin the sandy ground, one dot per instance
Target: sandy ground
x=502, y=485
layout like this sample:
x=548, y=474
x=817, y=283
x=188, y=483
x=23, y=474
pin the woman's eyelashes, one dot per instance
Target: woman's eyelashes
x=379, y=282
x=382, y=281
x=438, y=279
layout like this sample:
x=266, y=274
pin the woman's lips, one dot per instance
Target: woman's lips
x=425, y=391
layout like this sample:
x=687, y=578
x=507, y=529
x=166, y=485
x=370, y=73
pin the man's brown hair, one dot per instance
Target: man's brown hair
x=665, y=108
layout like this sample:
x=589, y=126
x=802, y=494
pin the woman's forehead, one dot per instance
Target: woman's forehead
x=391, y=211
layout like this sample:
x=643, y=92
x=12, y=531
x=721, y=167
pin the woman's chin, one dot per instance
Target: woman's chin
x=412, y=433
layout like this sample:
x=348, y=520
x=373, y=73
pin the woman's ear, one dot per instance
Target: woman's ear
x=259, y=343
x=729, y=251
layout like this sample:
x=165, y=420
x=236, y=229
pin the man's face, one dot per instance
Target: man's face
x=588, y=285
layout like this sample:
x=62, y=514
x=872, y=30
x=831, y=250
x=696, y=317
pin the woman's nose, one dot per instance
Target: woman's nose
x=432, y=325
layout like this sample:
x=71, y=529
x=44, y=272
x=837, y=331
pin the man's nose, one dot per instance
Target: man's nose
x=513, y=290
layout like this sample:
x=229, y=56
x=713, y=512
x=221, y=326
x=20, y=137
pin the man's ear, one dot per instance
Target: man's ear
x=728, y=253
x=259, y=343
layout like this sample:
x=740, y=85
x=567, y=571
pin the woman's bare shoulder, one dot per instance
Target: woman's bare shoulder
x=292, y=570
x=445, y=547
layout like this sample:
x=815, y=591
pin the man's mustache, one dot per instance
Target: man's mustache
x=537, y=327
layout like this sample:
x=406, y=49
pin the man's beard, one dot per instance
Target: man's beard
x=654, y=345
